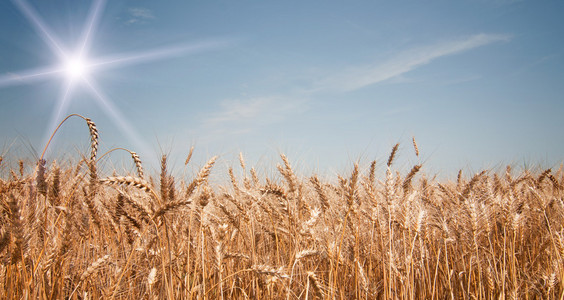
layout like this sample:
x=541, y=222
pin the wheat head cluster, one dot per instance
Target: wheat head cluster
x=69, y=231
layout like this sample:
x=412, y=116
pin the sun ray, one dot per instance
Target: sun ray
x=24, y=77
x=119, y=119
x=156, y=54
x=61, y=110
x=41, y=28
x=91, y=24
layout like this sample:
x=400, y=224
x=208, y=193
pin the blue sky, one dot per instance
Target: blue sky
x=480, y=83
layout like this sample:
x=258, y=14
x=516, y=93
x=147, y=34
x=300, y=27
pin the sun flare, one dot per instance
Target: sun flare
x=75, y=68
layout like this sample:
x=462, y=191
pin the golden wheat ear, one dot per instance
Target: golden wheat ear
x=93, y=138
x=270, y=270
x=407, y=181
x=138, y=164
x=202, y=176
x=288, y=173
x=189, y=156
x=164, y=179
x=392, y=155
x=134, y=182
x=169, y=206
x=40, y=177
x=316, y=284
x=95, y=266
x=320, y=192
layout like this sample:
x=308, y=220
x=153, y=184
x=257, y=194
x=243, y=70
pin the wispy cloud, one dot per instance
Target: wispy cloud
x=238, y=116
x=139, y=15
x=359, y=77
x=241, y=116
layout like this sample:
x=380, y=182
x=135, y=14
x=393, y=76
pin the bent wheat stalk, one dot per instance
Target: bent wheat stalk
x=134, y=156
x=93, y=136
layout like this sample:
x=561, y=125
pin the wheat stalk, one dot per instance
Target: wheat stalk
x=505, y=239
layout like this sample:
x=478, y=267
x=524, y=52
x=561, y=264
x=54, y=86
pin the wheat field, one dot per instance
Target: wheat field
x=71, y=231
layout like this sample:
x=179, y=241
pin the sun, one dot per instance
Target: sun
x=75, y=68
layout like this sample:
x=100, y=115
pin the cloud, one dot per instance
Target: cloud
x=139, y=15
x=238, y=116
x=241, y=116
x=359, y=77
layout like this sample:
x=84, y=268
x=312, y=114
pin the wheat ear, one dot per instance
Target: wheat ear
x=202, y=175
x=40, y=177
x=306, y=253
x=17, y=229
x=321, y=193
x=254, y=177
x=152, y=277
x=189, y=156
x=94, y=267
x=316, y=284
x=392, y=155
x=138, y=164
x=55, y=189
x=351, y=187
x=131, y=181
x=242, y=161
x=164, y=180
x=288, y=173
x=269, y=270
x=464, y=195
x=170, y=206
x=4, y=240
x=93, y=138
x=372, y=173
x=407, y=181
